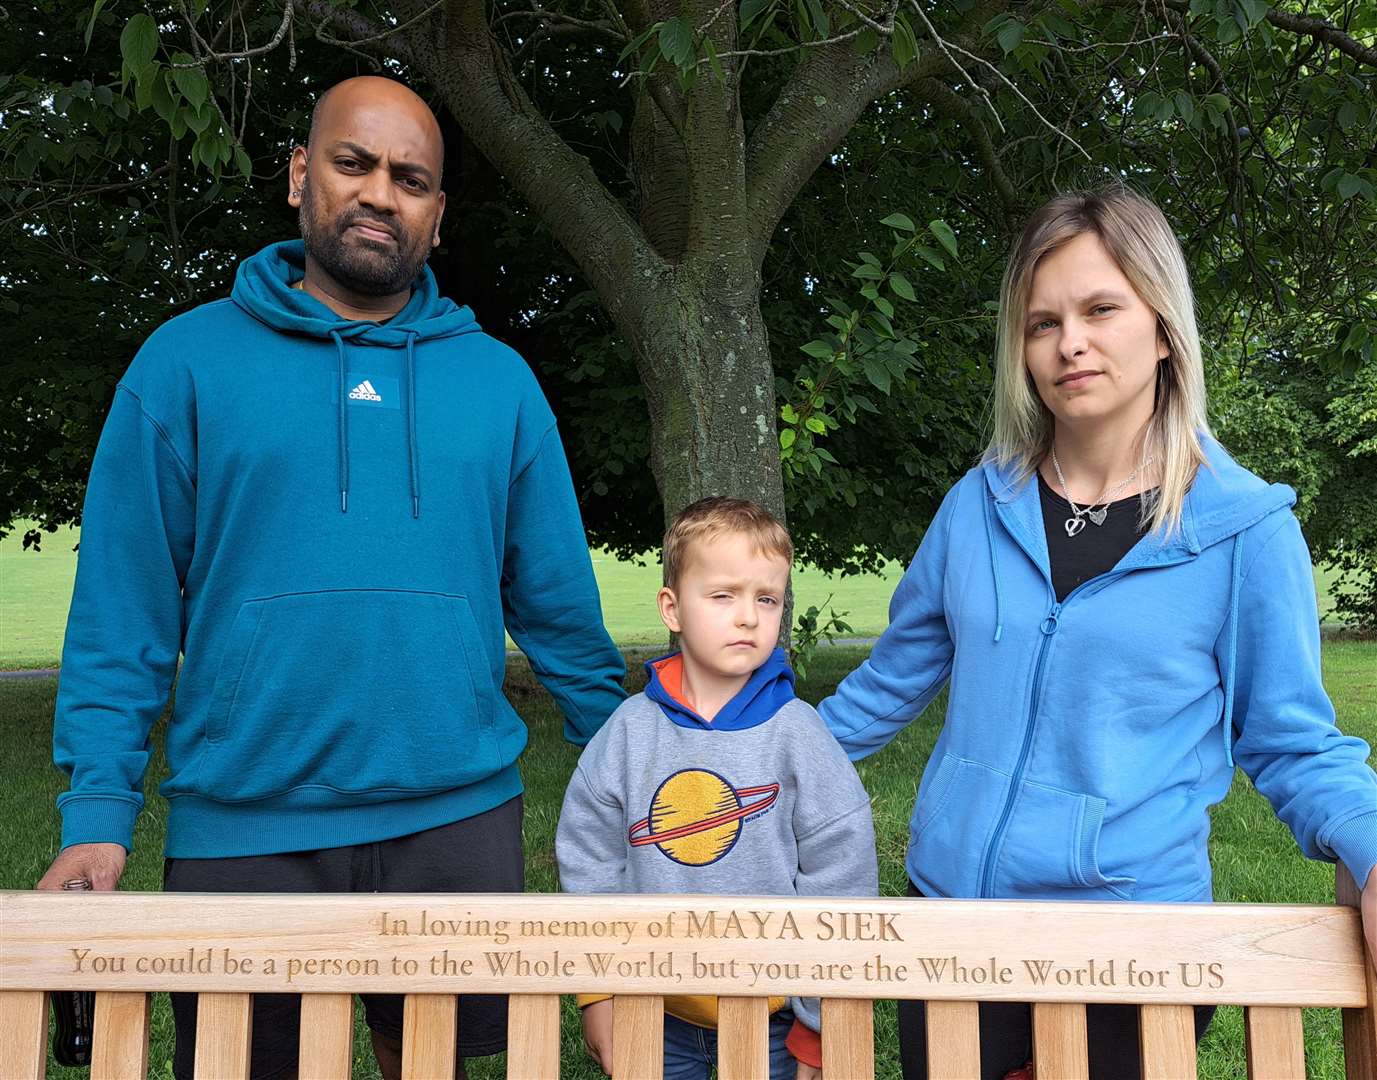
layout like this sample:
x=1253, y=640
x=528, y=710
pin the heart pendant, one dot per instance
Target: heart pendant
x=1074, y=525
x=1098, y=516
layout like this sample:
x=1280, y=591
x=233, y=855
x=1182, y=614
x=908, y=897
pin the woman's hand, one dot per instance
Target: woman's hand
x=597, y=1033
x=1368, y=905
x=808, y=1072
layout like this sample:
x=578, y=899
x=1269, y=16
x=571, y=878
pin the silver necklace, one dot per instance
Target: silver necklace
x=1076, y=522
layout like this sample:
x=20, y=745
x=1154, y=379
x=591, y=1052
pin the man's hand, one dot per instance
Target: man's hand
x=597, y=1033
x=808, y=1072
x=100, y=864
x=1368, y=904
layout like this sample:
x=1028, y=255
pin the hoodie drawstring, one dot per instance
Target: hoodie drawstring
x=343, y=426
x=994, y=569
x=412, y=464
x=1231, y=670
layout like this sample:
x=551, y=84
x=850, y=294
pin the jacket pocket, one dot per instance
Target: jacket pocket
x=1052, y=848
x=952, y=822
x=368, y=692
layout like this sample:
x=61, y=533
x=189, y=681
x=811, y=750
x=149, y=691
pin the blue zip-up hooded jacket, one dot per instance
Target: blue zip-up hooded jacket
x=1086, y=740
x=769, y=689
x=333, y=521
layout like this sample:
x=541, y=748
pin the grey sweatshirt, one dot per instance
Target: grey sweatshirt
x=761, y=802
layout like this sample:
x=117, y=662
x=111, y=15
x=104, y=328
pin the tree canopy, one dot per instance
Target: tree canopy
x=749, y=247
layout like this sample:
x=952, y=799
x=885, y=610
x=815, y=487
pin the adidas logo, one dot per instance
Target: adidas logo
x=364, y=392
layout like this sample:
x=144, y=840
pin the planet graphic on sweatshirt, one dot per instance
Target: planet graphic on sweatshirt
x=696, y=816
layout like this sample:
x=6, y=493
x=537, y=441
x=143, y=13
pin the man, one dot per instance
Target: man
x=330, y=493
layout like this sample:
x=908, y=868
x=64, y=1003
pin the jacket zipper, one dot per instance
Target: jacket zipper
x=1048, y=627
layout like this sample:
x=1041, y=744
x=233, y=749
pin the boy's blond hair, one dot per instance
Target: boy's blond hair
x=716, y=516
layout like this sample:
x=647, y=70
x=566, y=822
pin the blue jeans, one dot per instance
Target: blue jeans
x=691, y=1051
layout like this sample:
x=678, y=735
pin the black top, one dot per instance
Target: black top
x=1094, y=549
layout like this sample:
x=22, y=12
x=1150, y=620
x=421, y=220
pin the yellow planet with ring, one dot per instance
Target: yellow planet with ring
x=696, y=816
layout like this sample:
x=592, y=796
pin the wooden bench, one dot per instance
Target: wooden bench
x=1272, y=959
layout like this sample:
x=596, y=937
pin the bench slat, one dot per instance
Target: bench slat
x=953, y=1039
x=1360, y=1025
x=24, y=1033
x=1276, y=1044
x=638, y=1037
x=120, y=1035
x=327, y=1036
x=533, y=1037
x=1059, y=1041
x=224, y=1032
x=1167, y=1041
x=848, y=1038
x=743, y=1037
x=429, y=1029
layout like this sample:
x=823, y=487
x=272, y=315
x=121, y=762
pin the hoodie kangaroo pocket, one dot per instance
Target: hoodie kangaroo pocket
x=952, y=821
x=1052, y=848
x=367, y=692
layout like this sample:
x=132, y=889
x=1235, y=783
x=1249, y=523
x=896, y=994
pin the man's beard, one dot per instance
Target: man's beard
x=366, y=268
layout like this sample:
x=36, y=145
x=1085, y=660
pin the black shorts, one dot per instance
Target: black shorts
x=478, y=854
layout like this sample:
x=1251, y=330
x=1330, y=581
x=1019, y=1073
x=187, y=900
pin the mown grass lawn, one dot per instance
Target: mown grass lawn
x=1254, y=856
x=36, y=590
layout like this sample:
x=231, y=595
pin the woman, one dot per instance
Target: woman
x=1123, y=612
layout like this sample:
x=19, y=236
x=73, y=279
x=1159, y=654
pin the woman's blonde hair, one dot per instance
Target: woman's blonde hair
x=1138, y=238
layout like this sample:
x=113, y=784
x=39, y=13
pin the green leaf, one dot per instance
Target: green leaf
x=245, y=164
x=139, y=42
x=900, y=221
x=162, y=100
x=818, y=349
x=199, y=120
x=869, y=257
x=905, y=42
x=932, y=256
x=788, y=415
x=787, y=438
x=91, y=23
x=713, y=62
x=815, y=425
x=636, y=42
x=1254, y=11
x=751, y=10
x=878, y=375
x=818, y=18
x=1010, y=35
x=676, y=43
x=942, y=231
x=866, y=272
x=901, y=287
x=1185, y=105
x=192, y=83
x=884, y=306
x=1348, y=115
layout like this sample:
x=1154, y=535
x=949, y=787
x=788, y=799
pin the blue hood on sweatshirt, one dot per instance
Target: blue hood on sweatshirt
x=255, y=504
x=1086, y=739
x=769, y=689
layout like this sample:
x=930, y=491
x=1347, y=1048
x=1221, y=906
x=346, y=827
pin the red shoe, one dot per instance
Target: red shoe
x=1024, y=1073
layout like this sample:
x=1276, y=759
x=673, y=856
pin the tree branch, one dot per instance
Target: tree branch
x=470, y=70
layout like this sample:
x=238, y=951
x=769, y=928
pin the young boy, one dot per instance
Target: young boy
x=717, y=779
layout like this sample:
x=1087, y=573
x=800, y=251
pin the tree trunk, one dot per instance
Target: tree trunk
x=704, y=359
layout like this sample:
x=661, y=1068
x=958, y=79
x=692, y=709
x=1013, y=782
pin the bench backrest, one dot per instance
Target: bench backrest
x=1272, y=959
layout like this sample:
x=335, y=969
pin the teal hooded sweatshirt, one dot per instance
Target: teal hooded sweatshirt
x=332, y=522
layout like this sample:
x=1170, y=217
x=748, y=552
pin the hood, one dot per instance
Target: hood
x=1224, y=499
x=770, y=688
x=263, y=288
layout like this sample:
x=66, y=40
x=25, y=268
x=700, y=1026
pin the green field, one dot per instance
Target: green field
x=1254, y=856
x=36, y=589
